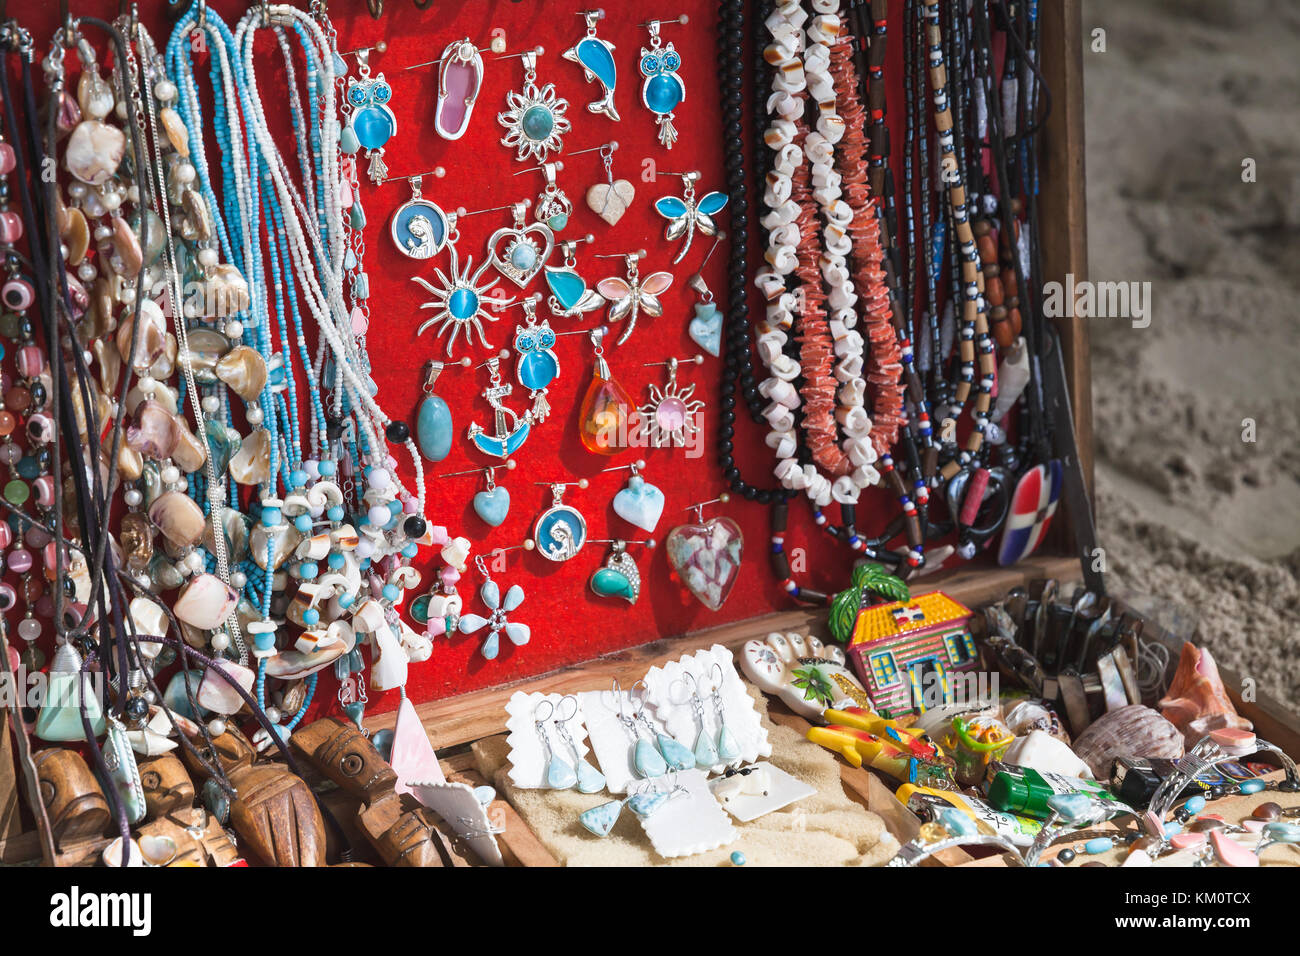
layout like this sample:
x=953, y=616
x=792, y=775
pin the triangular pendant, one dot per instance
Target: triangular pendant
x=600, y=820
x=706, y=755
x=590, y=780
x=413, y=757
x=678, y=757
x=648, y=761
x=728, y=749
x=644, y=804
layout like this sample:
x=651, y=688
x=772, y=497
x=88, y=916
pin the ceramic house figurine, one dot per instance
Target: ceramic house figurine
x=906, y=651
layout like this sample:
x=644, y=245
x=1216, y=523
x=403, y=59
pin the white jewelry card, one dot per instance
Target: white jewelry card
x=689, y=822
x=528, y=756
x=460, y=808
x=747, y=796
x=611, y=741
x=672, y=687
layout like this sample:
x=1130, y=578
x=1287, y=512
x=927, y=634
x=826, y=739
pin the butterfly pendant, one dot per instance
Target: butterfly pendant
x=628, y=297
x=686, y=215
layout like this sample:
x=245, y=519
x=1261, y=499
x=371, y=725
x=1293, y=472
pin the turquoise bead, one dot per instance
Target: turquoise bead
x=1194, y=804
x=310, y=617
x=537, y=123
x=1098, y=845
x=433, y=428
x=957, y=822
x=463, y=304
x=663, y=93
x=523, y=256
x=737, y=858
x=1172, y=827
x=1252, y=786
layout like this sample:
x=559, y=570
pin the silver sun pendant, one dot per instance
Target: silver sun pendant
x=534, y=119
x=459, y=301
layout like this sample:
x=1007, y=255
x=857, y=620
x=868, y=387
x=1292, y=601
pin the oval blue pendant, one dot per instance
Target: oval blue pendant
x=433, y=428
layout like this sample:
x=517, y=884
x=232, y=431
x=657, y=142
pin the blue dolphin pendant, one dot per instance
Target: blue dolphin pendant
x=596, y=57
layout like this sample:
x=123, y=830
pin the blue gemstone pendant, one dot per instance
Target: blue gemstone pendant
x=662, y=90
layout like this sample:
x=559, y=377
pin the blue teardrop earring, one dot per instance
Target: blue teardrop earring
x=590, y=779
x=646, y=760
x=371, y=123
x=676, y=756
x=728, y=748
x=644, y=802
x=706, y=753
x=559, y=775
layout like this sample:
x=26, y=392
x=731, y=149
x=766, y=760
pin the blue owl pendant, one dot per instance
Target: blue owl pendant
x=662, y=89
x=372, y=123
x=537, y=366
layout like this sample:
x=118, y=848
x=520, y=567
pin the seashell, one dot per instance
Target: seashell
x=215, y=693
x=196, y=212
x=112, y=854
x=163, y=368
x=110, y=364
x=155, y=433
x=127, y=247
x=163, y=395
x=69, y=114
x=205, y=349
x=236, y=527
x=150, y=743
x=226, y=292
x=1132, y=731
x=94, y=151
x=94, y=96
x=251, y=465
x=181, y=522
x=177, y=134
x=283, y=538
x=75, y=235
x=189, y=453
x=1195, y=693
x=244, y=370
x=157, y=849
x=150, y=340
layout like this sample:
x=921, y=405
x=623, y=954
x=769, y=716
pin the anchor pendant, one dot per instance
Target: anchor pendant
x=511, y=429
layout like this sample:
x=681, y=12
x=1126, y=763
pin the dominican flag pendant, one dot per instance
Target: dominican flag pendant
x=1032, y=507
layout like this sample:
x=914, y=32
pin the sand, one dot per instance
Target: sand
x=1188, y=511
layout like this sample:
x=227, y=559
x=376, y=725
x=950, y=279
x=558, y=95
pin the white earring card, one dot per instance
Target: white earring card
x=691, y=821
x=528, y=755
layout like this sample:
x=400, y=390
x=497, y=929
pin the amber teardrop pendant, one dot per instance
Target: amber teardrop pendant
x=602, y=421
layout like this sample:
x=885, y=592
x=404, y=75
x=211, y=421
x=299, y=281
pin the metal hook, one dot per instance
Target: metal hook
x=541, y=720
x=565, y=720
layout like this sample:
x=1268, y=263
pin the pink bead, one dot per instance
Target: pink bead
x=50, y=554
x=390, y=462
x=17, y=294
x=45, y=606
x=40, y=429
x=10, y=452
x=8, y=597
x=438, y=536
x=6, y=159
x=409, y=505
x=11, y=227
x=36, y=537
x=30, y=361
x=6, y=534
x=44, y=486
x=20, y=561
x=449, y=575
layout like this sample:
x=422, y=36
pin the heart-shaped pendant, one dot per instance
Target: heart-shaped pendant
x=519, y=253
x=707, y=558
x=640, y=503
x=610, y=200
x=492, y=506
x=705, y=329
x=620, y=577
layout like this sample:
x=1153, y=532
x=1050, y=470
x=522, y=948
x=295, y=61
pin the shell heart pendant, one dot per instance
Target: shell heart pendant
x=707, y=558
x=610, y=200
x=640, y=503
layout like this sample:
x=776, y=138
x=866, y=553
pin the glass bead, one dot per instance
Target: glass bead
x=17, y=492
x=29, y=629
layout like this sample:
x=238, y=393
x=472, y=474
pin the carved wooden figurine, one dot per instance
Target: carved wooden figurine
x=73, y=800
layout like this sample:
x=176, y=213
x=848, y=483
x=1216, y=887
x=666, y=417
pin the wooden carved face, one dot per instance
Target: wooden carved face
x=72, y=797
x=346, y=756
x=167, y=787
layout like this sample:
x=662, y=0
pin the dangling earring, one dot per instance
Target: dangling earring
x=644, y=802
x=620, y=576
x=559, y=775
x=596, y=57
x=553, y=206
x=512, y=430
x=419, y=228
x=537, y=365
x=639, y=503
x=561, y=530
x=686, y=215
x=610, y=199
x=706, y=752
x=433, y=425
x=526, y=248
x=372, y=123
x=589, y=779
x=662, y=90
x=705, y=328
x=602, y=417
x=500, y=608
x=670, y=415
x=646, y=760
x=677, y=756
x=629, y=297
x=534, y=119
x=728, y=749
x=569, y=293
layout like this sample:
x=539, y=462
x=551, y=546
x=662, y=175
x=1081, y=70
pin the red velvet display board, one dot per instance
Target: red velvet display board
x=569, y=623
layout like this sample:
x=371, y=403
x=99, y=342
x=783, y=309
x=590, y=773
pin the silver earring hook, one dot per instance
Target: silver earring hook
x=549, y=713
x=565, y=720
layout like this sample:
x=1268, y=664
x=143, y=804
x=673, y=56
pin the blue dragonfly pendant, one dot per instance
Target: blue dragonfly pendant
x=687, y=215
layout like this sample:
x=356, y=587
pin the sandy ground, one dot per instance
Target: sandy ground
x=1188, y=510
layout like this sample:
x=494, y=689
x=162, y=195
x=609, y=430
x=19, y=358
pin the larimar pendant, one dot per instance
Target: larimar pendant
x=534, y=119
x=678, y=757
x=596, y=57
x=500, y=608
x=648, y=761
x=520, y=251
x=433, y=426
